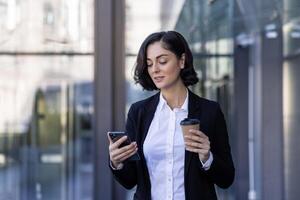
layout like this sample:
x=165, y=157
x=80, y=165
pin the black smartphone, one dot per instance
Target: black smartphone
x=116, y=135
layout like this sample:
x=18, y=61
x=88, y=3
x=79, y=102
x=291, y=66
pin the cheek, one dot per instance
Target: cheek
x=175, y=71
x=148, y=70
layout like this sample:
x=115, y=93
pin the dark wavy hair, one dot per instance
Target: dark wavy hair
x=174, y=42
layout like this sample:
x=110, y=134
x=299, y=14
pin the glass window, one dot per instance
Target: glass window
x=50, y=26
x=137, y=13
x=46, y=99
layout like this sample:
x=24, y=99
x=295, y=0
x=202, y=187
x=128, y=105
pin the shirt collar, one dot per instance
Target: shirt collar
x=162, y=102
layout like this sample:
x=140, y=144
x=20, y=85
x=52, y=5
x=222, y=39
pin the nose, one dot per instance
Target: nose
x=155, y=68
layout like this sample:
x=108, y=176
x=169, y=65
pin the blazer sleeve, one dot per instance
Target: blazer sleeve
x=127, y=176
x=222, y=170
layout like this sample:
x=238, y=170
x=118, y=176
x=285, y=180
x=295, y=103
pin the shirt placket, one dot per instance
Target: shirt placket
x=170, y=146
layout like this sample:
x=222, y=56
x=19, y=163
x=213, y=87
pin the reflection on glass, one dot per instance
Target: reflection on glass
x=46, y=134
x=137, y=13
x=291, y=32
x=208, y=28
x=46, y=100
x=50, y=26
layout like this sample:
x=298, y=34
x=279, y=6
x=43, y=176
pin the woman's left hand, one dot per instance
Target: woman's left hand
x=198, y=142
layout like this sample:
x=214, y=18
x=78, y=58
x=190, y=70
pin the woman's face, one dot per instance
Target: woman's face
x=163, y=66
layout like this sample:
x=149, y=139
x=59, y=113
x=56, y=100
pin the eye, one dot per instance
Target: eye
x=149, y=64
x=163, y=61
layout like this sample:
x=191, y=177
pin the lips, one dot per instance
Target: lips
x=158, y=78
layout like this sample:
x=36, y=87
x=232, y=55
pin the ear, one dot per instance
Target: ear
x=182, y=61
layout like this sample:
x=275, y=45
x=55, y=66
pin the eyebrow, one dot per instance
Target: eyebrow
x=159, y=56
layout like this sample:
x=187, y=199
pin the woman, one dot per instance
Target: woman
x=170, y=168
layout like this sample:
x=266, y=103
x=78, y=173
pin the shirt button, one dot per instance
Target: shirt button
x=169, y=180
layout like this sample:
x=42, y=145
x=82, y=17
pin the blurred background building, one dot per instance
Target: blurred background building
x=66, y=69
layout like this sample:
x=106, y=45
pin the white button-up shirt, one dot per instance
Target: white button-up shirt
x=164, y=152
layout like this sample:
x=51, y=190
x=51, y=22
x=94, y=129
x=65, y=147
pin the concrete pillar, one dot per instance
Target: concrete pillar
x=109, y=91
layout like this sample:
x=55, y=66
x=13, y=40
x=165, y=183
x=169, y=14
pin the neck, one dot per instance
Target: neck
x=175, y=96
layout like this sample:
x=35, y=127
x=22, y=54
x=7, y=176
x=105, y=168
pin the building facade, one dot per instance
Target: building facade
x=66, y=79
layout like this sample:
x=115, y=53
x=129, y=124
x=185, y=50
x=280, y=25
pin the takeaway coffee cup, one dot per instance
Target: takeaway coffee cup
x=187, y=124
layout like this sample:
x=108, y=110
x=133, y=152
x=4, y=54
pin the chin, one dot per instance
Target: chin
x=162, y=87
x=159, y=86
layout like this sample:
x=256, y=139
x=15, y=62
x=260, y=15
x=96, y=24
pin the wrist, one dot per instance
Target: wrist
x=116, y=165
x=203, y=158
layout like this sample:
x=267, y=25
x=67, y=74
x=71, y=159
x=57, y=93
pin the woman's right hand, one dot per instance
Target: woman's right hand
x=118, y=155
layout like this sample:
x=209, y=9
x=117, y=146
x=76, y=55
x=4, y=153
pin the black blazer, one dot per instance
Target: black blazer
x=199, y=184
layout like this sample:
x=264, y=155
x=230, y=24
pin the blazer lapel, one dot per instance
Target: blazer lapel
x=194, y=108
x=148, y=113
x=145, y=117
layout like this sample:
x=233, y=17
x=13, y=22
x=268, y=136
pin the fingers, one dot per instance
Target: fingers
x=116, y=144
x=198, y=133
x=118, y=151
x=196, y=145
x=197, y=142
x=123, y=156
x=118, y=155
x=196, y=136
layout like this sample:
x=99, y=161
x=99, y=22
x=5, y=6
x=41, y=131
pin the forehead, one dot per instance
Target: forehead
x=157, y=49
